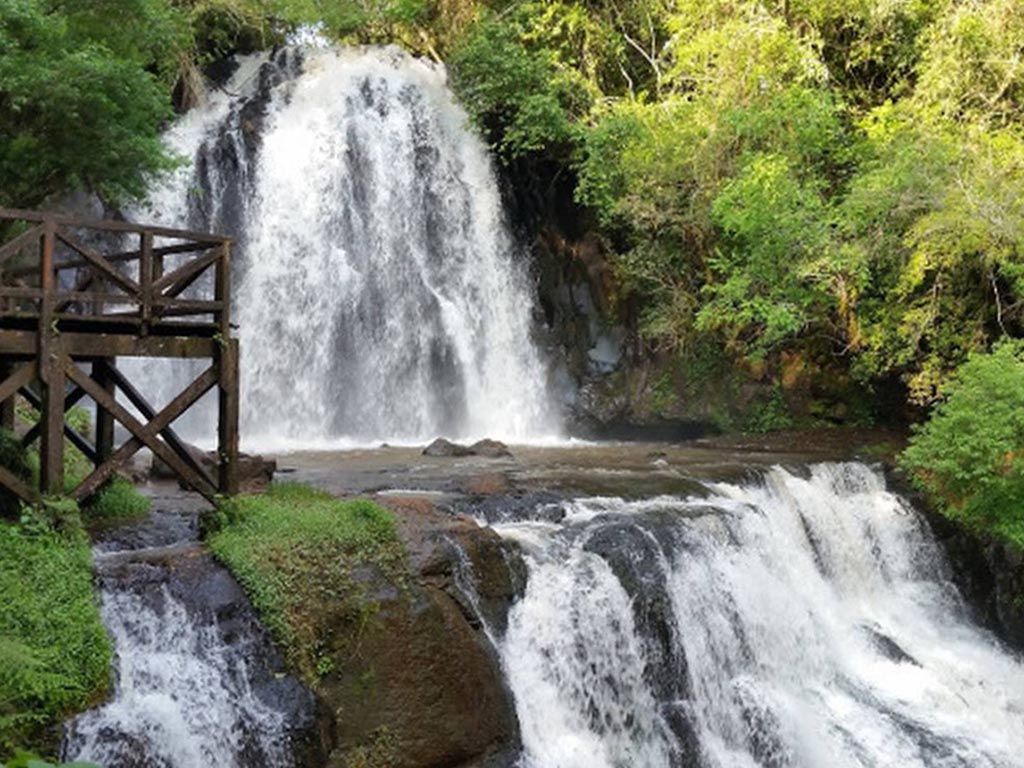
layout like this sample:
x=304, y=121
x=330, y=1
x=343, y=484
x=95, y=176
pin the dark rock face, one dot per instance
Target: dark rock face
x=424, y=672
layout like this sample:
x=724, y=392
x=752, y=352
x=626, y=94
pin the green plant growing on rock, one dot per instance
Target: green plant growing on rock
x=302, y=556
x=118, y=500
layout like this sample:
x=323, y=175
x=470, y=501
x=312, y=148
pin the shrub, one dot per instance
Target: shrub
x=969, y=455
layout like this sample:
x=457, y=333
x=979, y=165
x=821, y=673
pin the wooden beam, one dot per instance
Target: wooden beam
x=7, y=405
x=51, y=417
x=13, y=246
x=104, y=421
x=101, y=265
x=191, y=269
x=17, y=214
x=34, y=400
x=24, y=375
x=14, y=483
x=208, y=379
x=227, y=422
x=104, y=345
x=142, y=435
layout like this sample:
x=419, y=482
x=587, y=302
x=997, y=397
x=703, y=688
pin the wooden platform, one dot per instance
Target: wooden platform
x=76, y=295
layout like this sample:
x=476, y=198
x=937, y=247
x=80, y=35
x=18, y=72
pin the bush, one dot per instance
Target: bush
x=969, y=455
x=294, y=550
x=118, y=500
x=54, y=652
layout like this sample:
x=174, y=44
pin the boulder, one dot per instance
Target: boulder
x=424, y=686
x=491, y=449
x=255, y=473
x=446, y=449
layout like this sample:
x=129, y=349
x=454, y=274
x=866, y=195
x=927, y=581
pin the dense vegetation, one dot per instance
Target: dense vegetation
x=54, y=652
x=969, y=457
x=786, y=190
x=297, y=552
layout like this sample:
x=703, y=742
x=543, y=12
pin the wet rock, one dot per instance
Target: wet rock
x=446, y=449
x=491, y=449
x=255, y=473
x=424, y=671
x=888, y=647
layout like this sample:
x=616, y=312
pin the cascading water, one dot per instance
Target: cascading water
x=803, y=622
x=378, y=292
x=182, y=696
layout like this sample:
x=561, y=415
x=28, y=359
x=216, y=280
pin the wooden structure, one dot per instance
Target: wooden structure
x=76, y=295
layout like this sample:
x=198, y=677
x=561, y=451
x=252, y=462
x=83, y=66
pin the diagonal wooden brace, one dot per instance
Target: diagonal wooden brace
x=144, y=434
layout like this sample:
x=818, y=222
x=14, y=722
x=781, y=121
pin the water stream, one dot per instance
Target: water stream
x=789, y=621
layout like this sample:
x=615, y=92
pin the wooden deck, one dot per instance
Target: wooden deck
x=76, y=295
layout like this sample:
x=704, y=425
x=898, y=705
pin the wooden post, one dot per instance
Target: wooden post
x=7, y=413
x=104, y=420
x=51, y=450
x=146, y=279
x=227, y=423
x=51, y=372
x=227, y=390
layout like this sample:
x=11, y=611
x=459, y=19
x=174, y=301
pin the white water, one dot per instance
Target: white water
x=777, y=593
x=181, y=698
x=378, y=292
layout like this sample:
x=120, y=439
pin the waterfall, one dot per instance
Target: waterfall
x=182, y=695
x=802, y=621
x=378, y=292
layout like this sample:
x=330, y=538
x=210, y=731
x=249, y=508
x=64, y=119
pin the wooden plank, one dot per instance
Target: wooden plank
x=14, y=483
x=119, y=257
x=142, y=435
x=16, y=214
x=191, y=269
x=102, y=345
x=104, y=421
x=21, y=377
x=101, y=265
x=7, y=412
x=208, y=378
x=13, y=246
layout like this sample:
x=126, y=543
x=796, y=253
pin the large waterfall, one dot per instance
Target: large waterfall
x=378, y=292
x=802, y=621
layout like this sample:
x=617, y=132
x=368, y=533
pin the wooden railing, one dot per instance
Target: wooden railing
x=76, y=295
x=52, y=272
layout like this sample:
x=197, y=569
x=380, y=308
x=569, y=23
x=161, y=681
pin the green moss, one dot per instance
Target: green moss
x=118, y=500
x=54, y=653
x=296, y=551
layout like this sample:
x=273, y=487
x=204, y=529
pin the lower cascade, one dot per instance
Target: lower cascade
x=379, y=294
x=803, y=621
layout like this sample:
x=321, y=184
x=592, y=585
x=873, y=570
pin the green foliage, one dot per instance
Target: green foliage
x=29, y=760
x=54, y=653
x=969, y=455
x=295, y=550
x=118, y=500
x=78, y=108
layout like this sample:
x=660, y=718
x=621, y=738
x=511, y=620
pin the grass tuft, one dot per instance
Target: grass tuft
x=118, y=500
